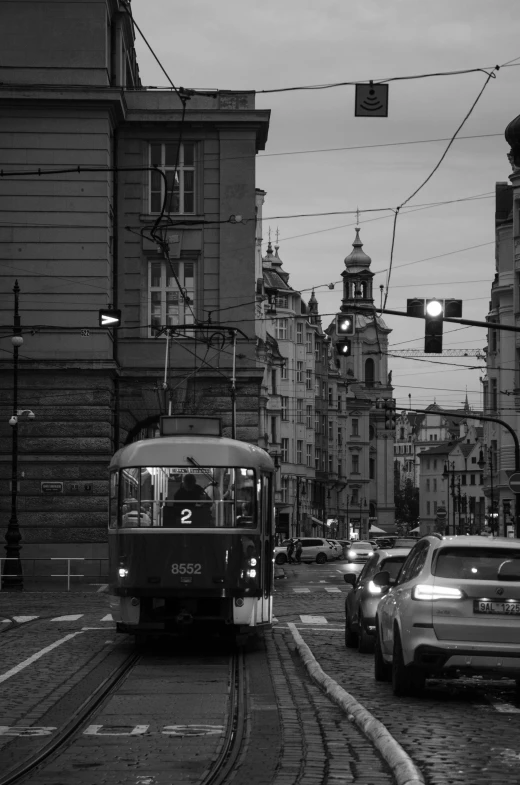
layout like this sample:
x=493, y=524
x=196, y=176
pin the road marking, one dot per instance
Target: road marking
x=30, y=660
x=301, y=591
x=311, y=629
x=23, y=619
x=102, y=587
x=108, y=617
x=73, y=617
x=333, y=591
x=116, y=730
x=26, y=730
x=314, y=619
x=323, y=581
x=505, y=708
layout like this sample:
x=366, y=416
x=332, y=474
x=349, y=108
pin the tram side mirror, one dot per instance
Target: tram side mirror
x=509, y=570
x=350, y=578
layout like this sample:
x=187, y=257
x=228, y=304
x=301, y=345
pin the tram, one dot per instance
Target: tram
x=191, y=528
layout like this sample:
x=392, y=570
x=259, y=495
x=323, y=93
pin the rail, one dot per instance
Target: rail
x=40, y=575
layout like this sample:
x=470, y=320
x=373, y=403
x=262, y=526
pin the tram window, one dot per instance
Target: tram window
x=112, y=511
x=198, y=497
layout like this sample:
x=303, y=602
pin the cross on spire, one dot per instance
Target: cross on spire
x=357, y=216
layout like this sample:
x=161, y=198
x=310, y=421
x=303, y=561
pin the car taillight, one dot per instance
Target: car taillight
x=424, y=591
x=372, y=588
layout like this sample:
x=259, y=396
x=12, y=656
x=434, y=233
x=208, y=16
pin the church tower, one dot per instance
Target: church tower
x=369, y=449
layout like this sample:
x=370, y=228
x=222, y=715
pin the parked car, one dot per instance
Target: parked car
x=338, y=548
x=316, y=549
x=454, y=610
x=359, y=552
x=404, y=542
x=361, y=603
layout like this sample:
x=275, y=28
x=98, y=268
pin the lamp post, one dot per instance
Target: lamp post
x=446, y=474
x=12, y=578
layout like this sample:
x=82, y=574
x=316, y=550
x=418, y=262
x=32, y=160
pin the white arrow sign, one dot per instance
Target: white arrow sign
x=106, y=320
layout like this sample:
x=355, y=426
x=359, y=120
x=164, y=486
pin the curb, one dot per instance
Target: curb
x=403, y=768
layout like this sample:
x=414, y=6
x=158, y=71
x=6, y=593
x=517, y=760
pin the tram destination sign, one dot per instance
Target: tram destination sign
x=51, y=487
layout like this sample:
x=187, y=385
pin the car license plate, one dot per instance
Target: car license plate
x=501, y=608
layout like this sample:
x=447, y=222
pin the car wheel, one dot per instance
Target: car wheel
x=321, y=558
x=382, y=671
x=365, y=641
x=280, y=558
x=350, y=637
x=406, y=680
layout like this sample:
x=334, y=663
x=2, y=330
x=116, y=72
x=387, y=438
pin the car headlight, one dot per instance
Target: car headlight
x=372, y=588
x=351, y=554
x=427, y=592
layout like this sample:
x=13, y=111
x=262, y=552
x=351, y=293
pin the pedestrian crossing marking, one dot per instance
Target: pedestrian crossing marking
x=314, y=619
x=301, y=591
x=333, y=591
x=23, y=619
x=108, y=617
x=72, y=617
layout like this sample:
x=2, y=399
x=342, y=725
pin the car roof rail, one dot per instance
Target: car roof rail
x=436, y=534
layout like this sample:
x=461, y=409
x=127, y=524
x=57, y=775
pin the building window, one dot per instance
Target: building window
x=355, y=464
x=324, y=424
x=280, y=327
x=164, y=156
x=339, y=402
x=428, y=485
x=168, y=305
x=340, y=436
x=434, y=507
x=317, y=388
x=463, y=479
x=308, y=338
x=317, y=350
x=494, y=394
x=331, y=426
x=331, y=393
x=309, y=454
x=323, y=460
x=317, y=422
x=401, y=433
x=372, y=468
x=282, y=301
x=299, y=371
x=355, y=495
x=369, y=372
x=299, y=410
x=299, y=332
x=308, y=379
x=472, y=479
x=273, y=381
x=299, y=451
x=317, y=459
x=285, y=450
x=309, y=416
x=434, y=484
x=340, y=468
x=283, y=370
x=285, y=407
x=355, y=427
x=273, y=430
x=284, y=488
x=331, y=465
x=427, y=508
x=324, y=390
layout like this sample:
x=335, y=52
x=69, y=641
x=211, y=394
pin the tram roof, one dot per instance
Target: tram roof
x=206, y=450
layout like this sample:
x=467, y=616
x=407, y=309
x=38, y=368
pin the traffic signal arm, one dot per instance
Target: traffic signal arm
x=471, y=322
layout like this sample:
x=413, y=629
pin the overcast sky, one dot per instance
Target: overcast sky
x=241, y=45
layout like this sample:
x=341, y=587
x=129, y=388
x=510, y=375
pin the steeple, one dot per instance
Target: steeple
x=357, y=277
x=357, y=258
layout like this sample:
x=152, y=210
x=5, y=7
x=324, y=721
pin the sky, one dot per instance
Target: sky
x=445, y=250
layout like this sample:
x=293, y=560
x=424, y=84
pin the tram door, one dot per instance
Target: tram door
x=267, y=535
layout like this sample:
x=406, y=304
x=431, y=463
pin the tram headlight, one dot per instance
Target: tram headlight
x=123, y=572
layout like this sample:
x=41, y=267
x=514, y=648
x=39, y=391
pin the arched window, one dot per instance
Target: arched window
x=369, y=372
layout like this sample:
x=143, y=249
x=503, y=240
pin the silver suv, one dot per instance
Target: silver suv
x=454, y=610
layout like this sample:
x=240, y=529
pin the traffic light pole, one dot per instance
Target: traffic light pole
x=506, y=425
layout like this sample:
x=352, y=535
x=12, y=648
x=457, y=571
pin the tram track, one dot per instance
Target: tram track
x=106, y=688
x=117, y=685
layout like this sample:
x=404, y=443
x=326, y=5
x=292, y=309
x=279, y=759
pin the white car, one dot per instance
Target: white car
x=338, y=548
x=316, y=549
x=454, y=610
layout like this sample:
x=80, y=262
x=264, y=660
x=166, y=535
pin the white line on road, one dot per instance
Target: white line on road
x=34, y=657
x=301, y=591
x=108, y=617
x=333, y=591
x=23, y=619
x=73, y=617
x=314, y=619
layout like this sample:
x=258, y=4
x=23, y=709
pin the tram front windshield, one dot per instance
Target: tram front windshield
x=179, y=497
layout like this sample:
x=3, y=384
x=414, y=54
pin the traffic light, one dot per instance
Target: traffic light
x=433, y=326
x=109, y=317
x=389, y=414
x=345, y=324
x=344, y=348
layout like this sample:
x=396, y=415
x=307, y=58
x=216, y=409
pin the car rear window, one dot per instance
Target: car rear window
x=478, y=564
x=362, y=545
x=392, y=565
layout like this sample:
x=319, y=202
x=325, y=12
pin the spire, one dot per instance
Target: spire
x=357, y=258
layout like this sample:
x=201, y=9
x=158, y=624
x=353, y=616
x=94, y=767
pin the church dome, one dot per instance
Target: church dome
x=358, y=259
x=512, y=134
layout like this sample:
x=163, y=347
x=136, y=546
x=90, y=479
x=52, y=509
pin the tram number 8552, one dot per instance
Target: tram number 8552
x=186, y=569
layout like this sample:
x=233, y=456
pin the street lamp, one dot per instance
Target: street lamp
x=446, y=474
x=12, y=578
